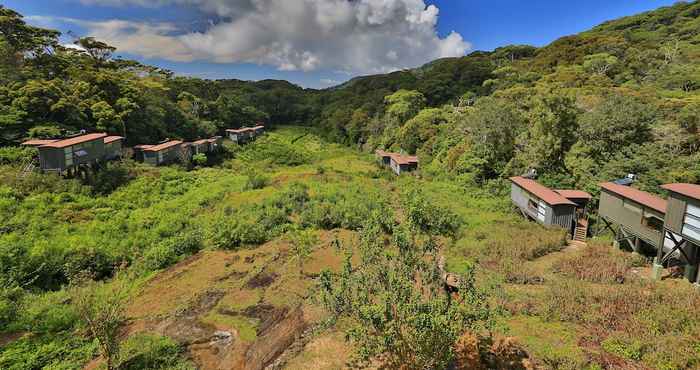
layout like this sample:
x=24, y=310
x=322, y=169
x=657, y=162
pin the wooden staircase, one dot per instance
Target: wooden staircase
x=27, y=169
x=581, y=231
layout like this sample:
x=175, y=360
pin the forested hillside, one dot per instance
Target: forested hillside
x=622, y=97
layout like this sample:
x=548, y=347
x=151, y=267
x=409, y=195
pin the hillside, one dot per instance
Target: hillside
x=299, y=249
x=219, y=281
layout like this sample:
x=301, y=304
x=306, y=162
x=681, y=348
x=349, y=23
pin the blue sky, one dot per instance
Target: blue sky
x=318, y=46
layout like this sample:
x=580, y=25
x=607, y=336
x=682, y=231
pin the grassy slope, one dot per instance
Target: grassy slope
x=566, y=311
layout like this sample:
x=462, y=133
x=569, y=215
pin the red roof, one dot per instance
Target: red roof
x=214, y=139
x=689, y=190
x=159, y=147
x=200, y=142
x=38, y=142
x=574, y=194
x=75, y=140
x=382, y=153
x=546, y=194
x=636, y=195
x=403, y=159
x=143, y=146
x=258, y=127
x=240, y=130
x=111, y=139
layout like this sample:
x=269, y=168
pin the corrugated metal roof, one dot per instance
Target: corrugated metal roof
x=143, y=146
x=39, y=142
x=159, y=147
x=574, y=194
x=111, y=139
x=403, y=159
x=546, y=194
x=75, y=140
x=240, y=130
x=636, y=195
x=201, y=141
x=689, y=190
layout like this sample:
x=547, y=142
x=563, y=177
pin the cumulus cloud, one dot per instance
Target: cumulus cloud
x=360, y=36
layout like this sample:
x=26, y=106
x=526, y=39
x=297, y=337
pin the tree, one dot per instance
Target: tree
x=302, y=243
x=619, y=121
x=554, y=125
x=602, y=63
x=420, y=129
x=99, y=51
x=398, y=310
x=199, y=159
x=492, y=129
x=404, y=104
x=102, y=309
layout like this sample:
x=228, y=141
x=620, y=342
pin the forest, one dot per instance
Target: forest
x=323, y=230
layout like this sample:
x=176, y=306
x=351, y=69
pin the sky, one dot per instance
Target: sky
x=315, y=43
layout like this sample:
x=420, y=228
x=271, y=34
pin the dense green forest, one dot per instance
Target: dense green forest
x=621, y=98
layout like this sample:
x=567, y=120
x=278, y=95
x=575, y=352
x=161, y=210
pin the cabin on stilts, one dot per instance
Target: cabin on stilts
x=563, y=208
x=114, y=148
x=635, y=217
x=163, y=153
x=681, y=230
x=68, y=155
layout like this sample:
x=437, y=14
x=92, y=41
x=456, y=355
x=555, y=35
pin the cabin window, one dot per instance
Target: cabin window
x=631, y=207
x=653, y=222
x=691, y=222
x=532, y=205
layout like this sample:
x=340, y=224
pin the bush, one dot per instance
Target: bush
x=170, y=251
x=199, y=159
x=47, y=313
x=111, y=177
x=599, y=264
x=64, y=351
x=15, y=155
x=256, y=181
x=152, y=352
x=427, y=217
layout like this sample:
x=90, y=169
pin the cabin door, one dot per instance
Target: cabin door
x=541, y=211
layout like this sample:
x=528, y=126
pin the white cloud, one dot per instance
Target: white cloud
x=361, y=36
x=328, y=81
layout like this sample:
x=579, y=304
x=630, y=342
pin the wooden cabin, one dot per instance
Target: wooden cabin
x=383, y=157
x=241, y=135
x=113, y=147
x=138, y=151
x=634, y=216
x=199, y=146
x=163, y=153
x=564, y=208
x=259, y=130
x=70, y=153
x=403, y=163
x=682, y=227
x=215, y=143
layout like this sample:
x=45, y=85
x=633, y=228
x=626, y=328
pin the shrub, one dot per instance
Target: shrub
x=630, y=350
x=256, y=180
x=111, y=177
x=47, y=313
x=199, y=159
x=62, y=351
x=599, y=264
x=152, y=352
x=16, y=155
x=427, y=217
x=172, y=250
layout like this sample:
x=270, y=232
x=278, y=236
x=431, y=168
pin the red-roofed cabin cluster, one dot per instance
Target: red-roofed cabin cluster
x=63, y=155
x=245, y=134
x=171, y=151
x=398, y=163
x=564, y=208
